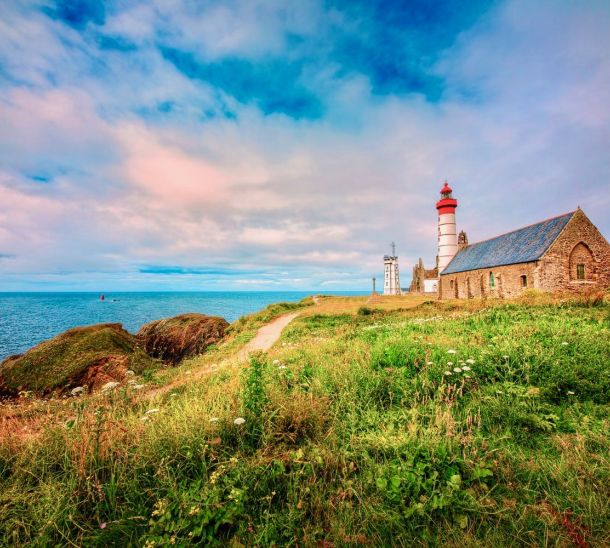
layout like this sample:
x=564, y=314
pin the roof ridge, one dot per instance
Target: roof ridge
x=520, y=228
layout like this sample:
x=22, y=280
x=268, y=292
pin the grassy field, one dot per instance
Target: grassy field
x=395, y=422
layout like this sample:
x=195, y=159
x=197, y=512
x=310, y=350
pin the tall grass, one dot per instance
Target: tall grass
x=477, y=424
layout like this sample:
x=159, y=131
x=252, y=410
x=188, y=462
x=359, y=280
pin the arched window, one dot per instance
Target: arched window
x=492, y=280
x=581, y=262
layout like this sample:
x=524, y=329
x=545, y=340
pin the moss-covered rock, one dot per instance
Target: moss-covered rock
x=84, y=356
x=180, y=337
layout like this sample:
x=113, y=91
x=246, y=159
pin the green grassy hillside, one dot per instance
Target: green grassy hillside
x=465, y=424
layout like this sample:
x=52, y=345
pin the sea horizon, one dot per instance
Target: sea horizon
x=28, y=318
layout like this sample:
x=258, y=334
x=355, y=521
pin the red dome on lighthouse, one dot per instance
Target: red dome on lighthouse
x=446, y=189
x=447, y=203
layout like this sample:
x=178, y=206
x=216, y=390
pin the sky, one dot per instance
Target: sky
x=277, y=145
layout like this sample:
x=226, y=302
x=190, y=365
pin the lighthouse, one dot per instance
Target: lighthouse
x=447, y=233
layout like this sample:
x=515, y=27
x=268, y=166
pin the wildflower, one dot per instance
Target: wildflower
x=214, y=419
x=275, y=362
x=194, y=510
x=451, y=351
x=77, y=391
x=505, y=357
x=138, y=386
x=239, y=421
x=282, y=367
x=457, y=369
x=447, y=373
x=144, y=418
x=152, y=411
x=470, y=361
x=173, y=395
x=110, y=386
x=564, y=343
x=449, y=363
x=429, y=363
x=467, y=376
x=103, y=525
x=570, y=393
x=465, y=368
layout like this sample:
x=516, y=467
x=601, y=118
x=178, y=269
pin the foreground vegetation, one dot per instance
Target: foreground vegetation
x=466, y=423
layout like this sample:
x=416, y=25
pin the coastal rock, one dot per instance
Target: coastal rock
x=81, y=357
x=180, y=337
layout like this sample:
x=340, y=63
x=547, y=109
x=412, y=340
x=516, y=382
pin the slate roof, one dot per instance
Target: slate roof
x=524, y=245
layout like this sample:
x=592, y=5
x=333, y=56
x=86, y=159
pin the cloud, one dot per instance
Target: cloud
x=286, y=146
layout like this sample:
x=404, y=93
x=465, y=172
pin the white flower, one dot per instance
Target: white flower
x=110, y=386
x=467, y=376
x=239, y=421
x=451, y=351
x=282, y=367
x=466, y=368
x=144, y=418
x=570, y=393
x=447, y=373
x=449, y=363
x=138, y=386
x=505, y=357
x=429, y=363
x=564, y=343
x=457, y=369
x=275, y=362
x=77, y=391
x=214, y=419
x=470, y=361
x=152, y=411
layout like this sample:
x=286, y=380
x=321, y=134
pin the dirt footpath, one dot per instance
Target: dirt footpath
x=267, y=335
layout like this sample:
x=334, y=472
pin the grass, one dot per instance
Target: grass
x=354, y=434
x=63, y=360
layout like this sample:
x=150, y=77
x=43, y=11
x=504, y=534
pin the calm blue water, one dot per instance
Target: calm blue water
x=29, y=318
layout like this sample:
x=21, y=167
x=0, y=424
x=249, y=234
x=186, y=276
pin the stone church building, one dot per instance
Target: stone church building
x=566, y=253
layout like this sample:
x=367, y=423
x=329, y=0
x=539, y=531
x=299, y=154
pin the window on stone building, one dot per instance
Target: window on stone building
x=582, y=264
x=524, y=281
x=451, y=284
x=492, y=280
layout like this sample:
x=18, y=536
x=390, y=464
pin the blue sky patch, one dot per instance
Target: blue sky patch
x=78, y=13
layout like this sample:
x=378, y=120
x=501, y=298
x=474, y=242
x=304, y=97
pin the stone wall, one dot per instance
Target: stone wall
x=580, y=243
x=476, y=283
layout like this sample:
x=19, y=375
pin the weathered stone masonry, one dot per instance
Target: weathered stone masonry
x=578, y=258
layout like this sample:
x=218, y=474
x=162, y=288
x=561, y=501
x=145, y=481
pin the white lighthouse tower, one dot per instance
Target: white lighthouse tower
x=447, y=232
x=391, y=278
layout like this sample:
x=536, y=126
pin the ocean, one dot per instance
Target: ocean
x=29, y=318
